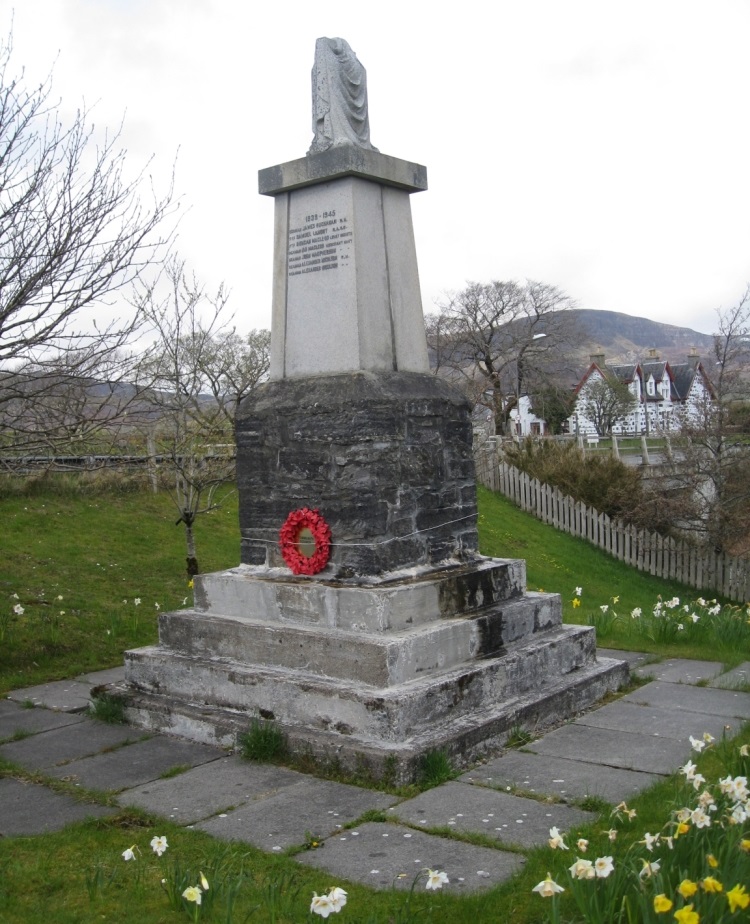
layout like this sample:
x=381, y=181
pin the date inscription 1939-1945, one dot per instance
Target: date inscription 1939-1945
x=322, y=242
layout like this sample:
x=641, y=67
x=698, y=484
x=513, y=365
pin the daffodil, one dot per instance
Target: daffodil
x=159, y=845
x=582, y=869
x=18, y=609
x=662, y=903
x=193, y=894
x=687, y=888
x=697, y=744
x=338, y=896
x=582, y=844
x=745, y=844
x=650, y=840
x=603, y=866
x=435, y=879
x=204, y=882
x=738, y=898
x=322, y=905
x=712, y=861
x=709, y=884
x=579, y=591
x=548, y=888
x=556, y=840
x=649, y=869
x=576, y=602
x=129, y=854
x=686, y=915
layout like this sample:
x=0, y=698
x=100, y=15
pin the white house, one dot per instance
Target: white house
x=663, y=394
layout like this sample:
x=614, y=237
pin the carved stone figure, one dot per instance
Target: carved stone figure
x=339, y=97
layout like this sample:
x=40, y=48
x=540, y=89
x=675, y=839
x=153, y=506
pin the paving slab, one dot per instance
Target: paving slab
x=610, y=748
x=318, y=807
x=15, y=718
x=737, y=677
x=634, y=658
x=705, y=700
x=507, y=818
x=63, y=695
x=680, y=670
x=96, y=678
x=559, y=777
x=656, y=720
x=32, y=809
x=207, y=790
x=135, y=763
x=384, y=856
x=60, y=745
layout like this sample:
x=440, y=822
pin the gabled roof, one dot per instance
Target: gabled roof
x=624, y=374
x=684, y=375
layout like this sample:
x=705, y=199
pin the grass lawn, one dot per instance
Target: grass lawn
x=100, y=553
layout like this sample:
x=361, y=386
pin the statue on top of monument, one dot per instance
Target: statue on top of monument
x=339, y=97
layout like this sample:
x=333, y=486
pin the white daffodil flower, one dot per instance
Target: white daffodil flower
x=548, y=888
x=159, y=845
x=435, y=879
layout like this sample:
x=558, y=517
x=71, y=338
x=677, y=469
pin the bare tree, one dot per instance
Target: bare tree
x=74, y=231
x=501, y=340
x=193, y=376
x=709, y=468
x=606, y=402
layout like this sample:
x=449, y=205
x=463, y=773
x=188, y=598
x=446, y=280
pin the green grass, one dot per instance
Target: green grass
x=100, y=550
x=99, y=553
x=559, y=563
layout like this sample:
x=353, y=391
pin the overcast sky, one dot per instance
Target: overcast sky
x=597, y=145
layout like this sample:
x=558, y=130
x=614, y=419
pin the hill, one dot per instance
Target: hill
x=626, y=339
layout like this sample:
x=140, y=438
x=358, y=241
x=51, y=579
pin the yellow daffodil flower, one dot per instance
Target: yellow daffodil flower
x=687, y=888
x=662, y=903
x=738, y=898
x=686, y=915
x=709, y=884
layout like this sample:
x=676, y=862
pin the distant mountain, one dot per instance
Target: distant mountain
x=626, y=339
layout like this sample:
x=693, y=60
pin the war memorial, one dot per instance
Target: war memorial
x=362, y=619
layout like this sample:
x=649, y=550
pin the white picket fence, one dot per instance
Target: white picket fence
x=678, y=560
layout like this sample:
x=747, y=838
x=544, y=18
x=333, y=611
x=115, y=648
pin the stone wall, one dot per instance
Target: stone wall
x=385, y=457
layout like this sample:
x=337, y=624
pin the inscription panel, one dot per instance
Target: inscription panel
x=321, y=241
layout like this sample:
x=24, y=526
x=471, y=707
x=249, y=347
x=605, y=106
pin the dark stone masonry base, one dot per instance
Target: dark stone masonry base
x=385, y=457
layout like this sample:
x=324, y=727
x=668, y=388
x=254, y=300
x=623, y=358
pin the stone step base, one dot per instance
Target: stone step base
x=464, y=738
x=376, y=659
x=391, y=602
x=352, y=707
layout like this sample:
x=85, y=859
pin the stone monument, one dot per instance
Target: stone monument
x=372, y=631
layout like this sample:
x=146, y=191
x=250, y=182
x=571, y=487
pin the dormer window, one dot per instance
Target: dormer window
x=650, y=387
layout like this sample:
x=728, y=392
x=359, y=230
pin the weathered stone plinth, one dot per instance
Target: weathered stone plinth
x=370, y=672
x=385, y=456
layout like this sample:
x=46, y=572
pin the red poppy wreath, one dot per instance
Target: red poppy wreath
x=305, y=541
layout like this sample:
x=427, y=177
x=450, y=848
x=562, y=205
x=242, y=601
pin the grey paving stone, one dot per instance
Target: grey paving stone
x=709, y=701
x=28, y=808
x=385, y=855
x=63, y=695
x=634, y=658
x=680, y=670
x=15, y=718
x=60, y=745
x=135, y=763
x=212, y=788
x=737, y=677
x=95, y=678
x=659, y=721
x=319, y=807
x=507, y=818
x=558, y=776
x=610, y=748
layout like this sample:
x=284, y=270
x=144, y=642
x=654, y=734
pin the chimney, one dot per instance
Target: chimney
x=653, y=354
x=693, y=354
x=597, y=358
